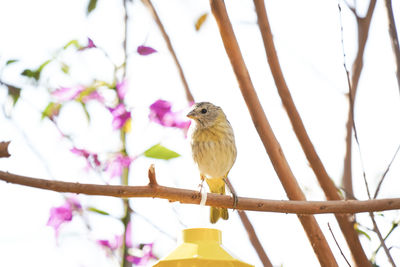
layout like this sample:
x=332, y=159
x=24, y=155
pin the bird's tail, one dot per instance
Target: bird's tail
x=217, y=186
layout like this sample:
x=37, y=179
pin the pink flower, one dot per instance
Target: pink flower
x=161, y=113
x=145, y=50
x=79, y=93
x=89, y=45
x=121, y=89
x=91, y=158
x=63, y=214
x=67, y=93
x=116, y=165
x=111, y=245
x=145, y=257
x=120, y=116
x=93, y=96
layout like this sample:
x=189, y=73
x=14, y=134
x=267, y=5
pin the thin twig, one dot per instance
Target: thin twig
x=382, y=241
x=194, y=197
x=385, y=172
x=363, y=25
x=157, y=19
x=337, y=244
x=394, y=226
x=255, y=241
x=394, y=38
x=351, y=107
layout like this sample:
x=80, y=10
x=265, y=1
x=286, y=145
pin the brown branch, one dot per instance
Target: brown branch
x=251, y=232
x=363, y=25
x=4, y=149
x=385, y=172
x=310, y=225
x=326, y=183
x=153, y=12
x=254, y=239
x=193, y=197
x=394, y=38
x=381, y=240
x=337, y=244
x=152, y=176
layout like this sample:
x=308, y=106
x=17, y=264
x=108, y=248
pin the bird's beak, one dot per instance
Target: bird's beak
x=191, y=115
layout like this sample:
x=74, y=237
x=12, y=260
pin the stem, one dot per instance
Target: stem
x=376, y=230
x=157, y=19
x=394, y=38
x=125, y=172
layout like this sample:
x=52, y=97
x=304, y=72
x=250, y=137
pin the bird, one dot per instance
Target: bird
x=213, y=150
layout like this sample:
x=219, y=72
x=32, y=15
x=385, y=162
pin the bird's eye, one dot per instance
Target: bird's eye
x=204, y=111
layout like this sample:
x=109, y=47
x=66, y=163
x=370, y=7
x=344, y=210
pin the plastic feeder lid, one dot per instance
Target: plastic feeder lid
x=201, y=247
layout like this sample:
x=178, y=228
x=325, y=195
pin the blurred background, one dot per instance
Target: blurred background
x=308, y=39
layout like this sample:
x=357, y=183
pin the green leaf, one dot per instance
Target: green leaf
x=65, y=68
x=160, y=152
x=86, y=111
x=74, y=43
x=11, y=61
x=14, y=93
x=52, y=110
x=35, y=74
x=91, y=6
x=96, y=210
x=357, y=228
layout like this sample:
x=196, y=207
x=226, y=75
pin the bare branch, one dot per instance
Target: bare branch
x=385, y=172
x=4, y=149
x=337, y=244
x=363, y=25
x=381, y=239
x=394, y=38
x=254, y=239
x=193, y=197
x=292, y=188
x=152, y=176
x=326, y=183
x=157, y=19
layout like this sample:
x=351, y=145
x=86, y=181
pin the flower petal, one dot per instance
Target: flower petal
x=145, y=50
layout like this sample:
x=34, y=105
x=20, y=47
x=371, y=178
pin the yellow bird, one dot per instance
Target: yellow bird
x=213, y=150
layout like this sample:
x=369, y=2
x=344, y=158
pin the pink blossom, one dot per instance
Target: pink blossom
x=89, y=45
x=117, y=164
x=161, y=113
x=63, y=214
x=147, y=255
x=121, y=89
x=67, y=93
x=95, y=95
x=111, y=245
x=77, y=93
x=91, y=158
x=145, y=50
x=120, y=116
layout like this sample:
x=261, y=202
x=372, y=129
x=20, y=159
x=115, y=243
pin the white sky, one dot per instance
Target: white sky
x=308, y=39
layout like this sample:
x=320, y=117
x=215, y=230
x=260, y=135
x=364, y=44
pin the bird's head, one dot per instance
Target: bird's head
x=205, y=114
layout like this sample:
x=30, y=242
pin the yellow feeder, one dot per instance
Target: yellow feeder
x=201, y=247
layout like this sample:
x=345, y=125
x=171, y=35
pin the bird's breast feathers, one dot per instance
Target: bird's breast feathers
x=214, y=150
